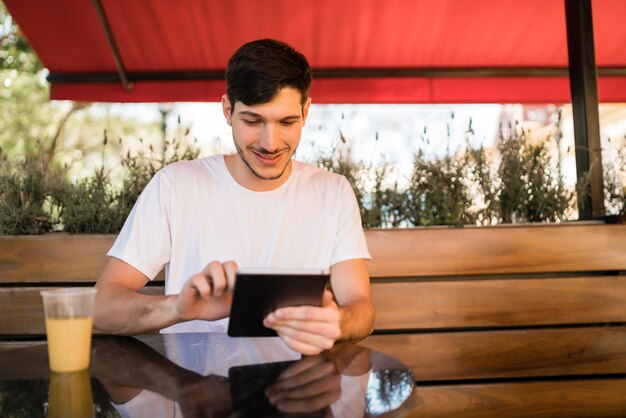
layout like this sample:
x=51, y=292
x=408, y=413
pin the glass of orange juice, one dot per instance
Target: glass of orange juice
x=69, y=314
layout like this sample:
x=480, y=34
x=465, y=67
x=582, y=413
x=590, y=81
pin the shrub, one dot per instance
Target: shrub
x=531, y=183
x=95, y=205
x=522, y=183
x=37, y=197
x=436, y=193
x=27, y=188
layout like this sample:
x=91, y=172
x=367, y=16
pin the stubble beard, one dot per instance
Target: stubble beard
x=258, y=175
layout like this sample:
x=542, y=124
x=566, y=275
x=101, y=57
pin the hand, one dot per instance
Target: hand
x=309, y=385
x=308, y=329
x=207, y=397
x=208, y=294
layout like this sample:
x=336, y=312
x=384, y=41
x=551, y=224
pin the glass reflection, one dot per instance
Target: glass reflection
x=387, y=390
x=213, y=375
x=70, y=395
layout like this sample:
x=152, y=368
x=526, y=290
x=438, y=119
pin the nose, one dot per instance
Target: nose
x=270, y=140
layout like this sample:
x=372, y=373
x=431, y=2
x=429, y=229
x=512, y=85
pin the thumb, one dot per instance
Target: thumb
x=328, y=298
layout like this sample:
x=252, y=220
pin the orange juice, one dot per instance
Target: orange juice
x=69, y=343
x=70, y=395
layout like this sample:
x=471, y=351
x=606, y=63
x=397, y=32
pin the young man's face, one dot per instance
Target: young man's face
x=266, y=136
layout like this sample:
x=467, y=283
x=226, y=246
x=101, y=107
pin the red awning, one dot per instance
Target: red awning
x=365, y=51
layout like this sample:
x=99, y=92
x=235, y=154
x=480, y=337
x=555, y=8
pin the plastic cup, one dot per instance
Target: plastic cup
x=69, y=321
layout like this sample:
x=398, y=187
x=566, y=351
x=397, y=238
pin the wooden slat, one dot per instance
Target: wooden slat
x=506, y=354
x=571, y=399
x=405, y=252
x=496, y=250
x=510, y=302
x=21, y=309
x=53, y=258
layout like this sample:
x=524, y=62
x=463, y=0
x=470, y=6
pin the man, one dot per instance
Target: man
x=202, y=220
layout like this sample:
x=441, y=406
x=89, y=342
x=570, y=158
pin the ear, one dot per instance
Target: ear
x=305, y=110
x=227, y=109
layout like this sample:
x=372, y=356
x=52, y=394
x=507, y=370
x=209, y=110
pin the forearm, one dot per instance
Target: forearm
x=357, y=320
x=137, y=366
x=122, y=311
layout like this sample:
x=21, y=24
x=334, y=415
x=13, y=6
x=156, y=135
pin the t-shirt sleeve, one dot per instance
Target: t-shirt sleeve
x=145, y=241
x=350, y=240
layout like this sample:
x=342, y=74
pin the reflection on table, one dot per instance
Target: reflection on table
x=206, y=375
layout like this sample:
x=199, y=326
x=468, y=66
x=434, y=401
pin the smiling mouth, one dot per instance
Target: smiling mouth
x=267, y=158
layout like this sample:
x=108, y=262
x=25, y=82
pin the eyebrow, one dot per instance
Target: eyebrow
x=256, y=115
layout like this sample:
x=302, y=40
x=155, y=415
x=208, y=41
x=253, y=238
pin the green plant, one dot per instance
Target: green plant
x=37, y=197
x=531, y=184
x=383, y=206
x=615, y=183
x=91, y=205
x=27, y=189
x=95, y=205
x=482, y=186
x=436, y=193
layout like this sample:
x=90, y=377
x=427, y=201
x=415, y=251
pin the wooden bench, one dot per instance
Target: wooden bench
x=505, y=321
x=482, y=316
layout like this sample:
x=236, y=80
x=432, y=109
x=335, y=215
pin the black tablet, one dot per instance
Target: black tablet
x=258, y=293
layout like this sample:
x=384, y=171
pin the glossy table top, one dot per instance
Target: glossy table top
x=205, y=375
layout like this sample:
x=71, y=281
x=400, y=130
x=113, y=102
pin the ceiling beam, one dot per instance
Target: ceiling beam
x=209, y=75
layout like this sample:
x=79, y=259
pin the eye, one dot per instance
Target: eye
x=251, y=122
x=287, y=122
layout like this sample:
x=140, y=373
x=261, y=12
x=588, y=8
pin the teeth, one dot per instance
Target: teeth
x=267, y=157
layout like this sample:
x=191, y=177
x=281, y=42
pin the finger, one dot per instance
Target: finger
x=309, y=391
x=308, y=313
x=305, y=378
x=301, y=366
x=300, y=346
x=328, y=298
x=322, y=341
x=230, y=268
x=309, y=405
x=305, y=330
x=325, y=329
x=198, y=284
x=215, y=270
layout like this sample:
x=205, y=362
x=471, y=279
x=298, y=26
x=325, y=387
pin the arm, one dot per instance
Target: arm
x=120, y=308
x=127, y=366
x=351, y=286
x=310, y=330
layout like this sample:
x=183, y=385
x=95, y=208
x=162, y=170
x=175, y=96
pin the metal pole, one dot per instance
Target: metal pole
x=121, y=71
x=584, y=89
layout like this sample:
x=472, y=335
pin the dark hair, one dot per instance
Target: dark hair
x=259, y=69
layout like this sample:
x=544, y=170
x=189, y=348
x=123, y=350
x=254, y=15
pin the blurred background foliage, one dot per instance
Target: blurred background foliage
x=79, y=167
x=520, y=181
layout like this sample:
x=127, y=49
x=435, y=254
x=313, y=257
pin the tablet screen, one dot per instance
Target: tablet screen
x=259, y=293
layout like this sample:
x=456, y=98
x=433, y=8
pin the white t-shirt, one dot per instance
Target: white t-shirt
x=194, y=212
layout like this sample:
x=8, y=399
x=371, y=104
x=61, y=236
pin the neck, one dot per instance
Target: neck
x=246, y=178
